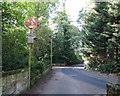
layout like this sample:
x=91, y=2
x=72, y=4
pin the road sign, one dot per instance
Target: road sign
x=30, y=40
x=28, y=35
x=31, y=23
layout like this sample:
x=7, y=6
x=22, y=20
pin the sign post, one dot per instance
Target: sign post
x=51, y=51
x=30, y=57
x=30, y=23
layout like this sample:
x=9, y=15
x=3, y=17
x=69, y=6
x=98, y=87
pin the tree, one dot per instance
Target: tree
x=15, y=47
x=64, y=40
x=100, y=36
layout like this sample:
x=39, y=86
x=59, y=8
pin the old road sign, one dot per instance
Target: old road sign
x=30, y=35
x=31, y=23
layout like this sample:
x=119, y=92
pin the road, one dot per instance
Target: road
x=72, y=80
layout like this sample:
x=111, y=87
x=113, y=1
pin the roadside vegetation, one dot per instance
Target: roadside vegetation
x=100, y=37
x=96, y=42
x=15, y=50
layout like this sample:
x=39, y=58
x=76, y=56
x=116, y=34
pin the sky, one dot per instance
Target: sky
x=74, y=6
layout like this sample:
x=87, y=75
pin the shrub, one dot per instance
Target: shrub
x=109, y=66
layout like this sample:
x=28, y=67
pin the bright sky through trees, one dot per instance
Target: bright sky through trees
x=74, y=6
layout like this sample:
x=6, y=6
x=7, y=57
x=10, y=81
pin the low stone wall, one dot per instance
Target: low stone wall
x=15, y=83
x=113, y=89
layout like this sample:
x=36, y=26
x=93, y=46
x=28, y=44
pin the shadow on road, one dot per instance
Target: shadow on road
x=82, y=77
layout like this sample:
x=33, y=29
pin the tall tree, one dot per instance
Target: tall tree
x=65, y=44
x=100, y=36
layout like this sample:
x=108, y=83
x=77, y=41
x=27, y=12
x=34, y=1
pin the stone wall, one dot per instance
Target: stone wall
x=15, y=83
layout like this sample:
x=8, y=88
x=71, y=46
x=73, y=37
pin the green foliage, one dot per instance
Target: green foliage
x=100, y=37
x=14, y=51
x=109, y=66
x=37, y=67
x=98, y=42
x=65, y=43
x=15, y=48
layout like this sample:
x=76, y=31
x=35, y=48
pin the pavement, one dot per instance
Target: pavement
x=72, y=80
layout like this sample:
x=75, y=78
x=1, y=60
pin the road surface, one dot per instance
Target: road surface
x=72, y=80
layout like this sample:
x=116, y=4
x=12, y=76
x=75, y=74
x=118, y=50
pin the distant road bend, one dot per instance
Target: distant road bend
x=72, y=80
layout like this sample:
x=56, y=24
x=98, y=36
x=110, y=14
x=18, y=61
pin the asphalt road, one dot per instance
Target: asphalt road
x=72, y=80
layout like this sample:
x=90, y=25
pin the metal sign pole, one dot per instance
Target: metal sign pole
x=51, y=51
x=30, y=57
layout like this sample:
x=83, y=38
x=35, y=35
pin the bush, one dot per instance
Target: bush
x=109, y=66
x=37, y=67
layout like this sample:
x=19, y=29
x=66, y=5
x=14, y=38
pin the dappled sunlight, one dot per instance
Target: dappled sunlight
x=60, y=42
